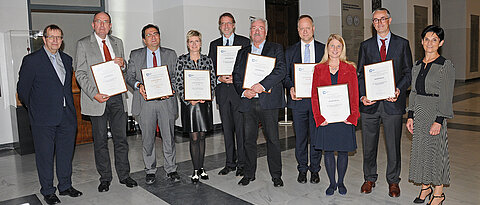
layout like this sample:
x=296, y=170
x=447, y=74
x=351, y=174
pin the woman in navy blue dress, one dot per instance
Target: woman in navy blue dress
x=340, y=137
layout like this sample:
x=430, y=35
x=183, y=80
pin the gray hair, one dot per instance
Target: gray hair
x=254, y=19
x=382, y=9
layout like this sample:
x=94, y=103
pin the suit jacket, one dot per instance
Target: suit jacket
x=137, y=62
x=346, y=75
x=399, y=52
x=221, y=90
x=293, y=55
x=42, y=92
x=88, y=54
x=273, y=81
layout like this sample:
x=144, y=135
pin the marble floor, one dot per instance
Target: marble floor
x=19, y=181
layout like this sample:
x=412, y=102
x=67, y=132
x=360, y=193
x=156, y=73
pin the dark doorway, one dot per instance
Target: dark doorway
x=282, y=21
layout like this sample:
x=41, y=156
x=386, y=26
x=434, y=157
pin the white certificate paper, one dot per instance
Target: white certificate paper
x=197, y=85
x=109, y=78
x=157, y=82
x=258, y=67
x=379, y=80
x=226, y=56
x=334, y=103
x=303, y=76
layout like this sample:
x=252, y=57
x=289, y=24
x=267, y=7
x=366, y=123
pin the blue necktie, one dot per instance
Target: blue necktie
x=226, y=44
x=306, y=58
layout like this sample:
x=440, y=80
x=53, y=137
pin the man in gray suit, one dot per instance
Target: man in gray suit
x=96, y=48
x=148, y=113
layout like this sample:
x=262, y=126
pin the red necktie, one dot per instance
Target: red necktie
x=383, y=50
x=106, y=52
x=154, y=60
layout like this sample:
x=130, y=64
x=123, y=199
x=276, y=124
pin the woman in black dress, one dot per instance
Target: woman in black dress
x=196, y=114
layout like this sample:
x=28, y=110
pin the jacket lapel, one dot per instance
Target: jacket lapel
x=374, y=49
x=297, y=58
x=392, y=47
x=49, y=67
x=96, y=53
x=115, y=47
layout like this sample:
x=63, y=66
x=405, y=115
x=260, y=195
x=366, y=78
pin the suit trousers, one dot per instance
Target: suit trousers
x=304, y=126
x=152, y=112
x=56, y=140
x=232, y=124
x=392, y=126
x=117, y=118
x=269, y=120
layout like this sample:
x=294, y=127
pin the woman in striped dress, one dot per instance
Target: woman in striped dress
x=430, y=103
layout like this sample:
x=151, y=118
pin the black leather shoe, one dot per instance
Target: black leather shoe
x=150, y=179
x=51, y=199
x=302, y=177
x=72, y=192
x=245, y=181
x=240, y=171
x=314, y=178
x=277, y=182
x=226, y=170
x=104, y=186
x=129, y=182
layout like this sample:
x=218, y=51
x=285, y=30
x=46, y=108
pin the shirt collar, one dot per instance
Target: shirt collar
x=388, y=37
x=260, y=47
x=156, y=51
x=99, y=40
x=51, y=54
x=440, y=61
x=230, y=39
x=303, y=43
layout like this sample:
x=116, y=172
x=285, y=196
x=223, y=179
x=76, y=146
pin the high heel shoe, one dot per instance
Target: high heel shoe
x=195, y=177
x=418, y=200
x=203, y=174
x=433, y=198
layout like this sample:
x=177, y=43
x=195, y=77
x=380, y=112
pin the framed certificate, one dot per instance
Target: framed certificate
x=303, y=76
x=258, y=67
x=334, y=102
x=109, y=78
x=197, y=85
x=157, y=82
x=226, y=56
x=379, y=80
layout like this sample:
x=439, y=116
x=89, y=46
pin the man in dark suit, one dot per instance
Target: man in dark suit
x=383, y=46
x=45, y=88
x=308, y=50
x=104, y=110
x=163, y=110
x=257, y=105
x=227, y=98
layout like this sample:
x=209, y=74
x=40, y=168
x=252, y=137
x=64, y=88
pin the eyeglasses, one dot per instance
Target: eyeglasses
x=152, y=34
x=98, y=21
x=383, y=19
x=259, y=28
x=226, y=23
x=51, y=38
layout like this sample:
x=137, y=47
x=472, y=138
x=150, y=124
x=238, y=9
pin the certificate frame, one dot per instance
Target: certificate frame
x=295, y=80
x=219, y=60
x=123, y=85
x=344, y=102
x=185, y=85
x=391, y=74
x=147, y=84
x=246, y=69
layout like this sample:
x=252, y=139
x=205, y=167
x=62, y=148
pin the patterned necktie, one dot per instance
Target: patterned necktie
x=383, y=50
x=226, y=44
x=59, y=68
x=154, y=60
x=306, y=58
x=106, y=52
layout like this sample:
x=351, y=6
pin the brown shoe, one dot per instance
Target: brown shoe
x=367, y=187
x=393, y=190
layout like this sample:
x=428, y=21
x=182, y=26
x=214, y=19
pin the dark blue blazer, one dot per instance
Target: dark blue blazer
x=273, y=100
x=42, y=92
x=399, y=52
x=293, y=55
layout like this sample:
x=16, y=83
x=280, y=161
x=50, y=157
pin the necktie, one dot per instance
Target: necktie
x=60, y=70
x=383, y=50
x=106, y=52
x=306, y=57
x=154, y=60
x=226, y=44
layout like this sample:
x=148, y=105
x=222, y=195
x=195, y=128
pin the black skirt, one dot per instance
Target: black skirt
x=197, y=118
